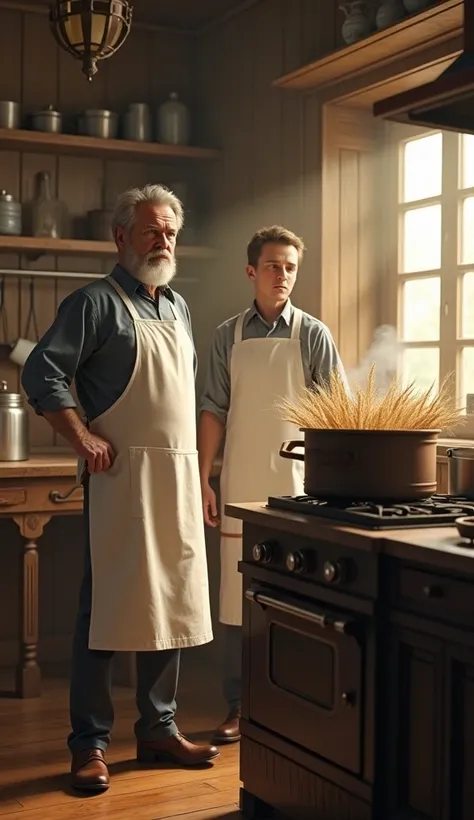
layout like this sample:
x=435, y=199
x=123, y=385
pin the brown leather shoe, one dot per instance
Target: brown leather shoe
x=89, y=771
x=229, y=731
x=175, y=749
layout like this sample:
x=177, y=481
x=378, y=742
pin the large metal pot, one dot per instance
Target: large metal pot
x=461, y=471
x=371, y=465
x=14, y=433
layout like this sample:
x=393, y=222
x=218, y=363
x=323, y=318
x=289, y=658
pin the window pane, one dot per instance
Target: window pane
x=421, y=366
x=421, y=300
x=422, y=168
x=467, y=231
x=421, y=239
x=467, y=306
x=467, y=374
x=467, y=160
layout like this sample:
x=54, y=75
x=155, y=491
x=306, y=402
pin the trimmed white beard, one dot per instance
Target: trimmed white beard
x=149, y=271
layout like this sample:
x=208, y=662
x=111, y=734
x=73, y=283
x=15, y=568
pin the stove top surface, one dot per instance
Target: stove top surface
x=437, y=511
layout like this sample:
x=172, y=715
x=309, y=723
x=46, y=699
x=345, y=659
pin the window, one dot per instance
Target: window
x=435, y=267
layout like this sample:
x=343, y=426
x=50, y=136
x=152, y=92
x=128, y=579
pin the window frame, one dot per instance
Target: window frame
x=451, y=197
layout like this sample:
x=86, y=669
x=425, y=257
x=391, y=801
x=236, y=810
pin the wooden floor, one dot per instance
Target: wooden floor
x=34, y=765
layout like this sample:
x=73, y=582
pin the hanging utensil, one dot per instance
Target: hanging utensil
x=32, y=320
x=23, y=346
x=5, y=346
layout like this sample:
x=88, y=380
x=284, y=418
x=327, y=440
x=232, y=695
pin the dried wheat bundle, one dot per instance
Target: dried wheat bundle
x=331, y=406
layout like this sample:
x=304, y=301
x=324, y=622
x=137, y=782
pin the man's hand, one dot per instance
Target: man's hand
x=96, y=452
x=209, y=506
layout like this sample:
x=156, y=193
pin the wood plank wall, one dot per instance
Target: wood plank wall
x=350, y=276
x=35, y=72
x=272, y=138
x=146, y=68
x=272, y=172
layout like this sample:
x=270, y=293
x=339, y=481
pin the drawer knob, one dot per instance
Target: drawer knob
x=430, y=591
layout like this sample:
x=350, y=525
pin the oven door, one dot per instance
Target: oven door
x=306, y=674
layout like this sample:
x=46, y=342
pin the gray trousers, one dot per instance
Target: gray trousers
x=91, y=706
x=232, y=677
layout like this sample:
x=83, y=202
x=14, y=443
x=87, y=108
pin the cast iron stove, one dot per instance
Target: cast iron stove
x=437, y=511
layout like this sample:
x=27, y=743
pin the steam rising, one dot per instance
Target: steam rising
x=385, y=353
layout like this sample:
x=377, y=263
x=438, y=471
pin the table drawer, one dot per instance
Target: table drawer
x=12, y=497
x=41, y=495
x=435, y=595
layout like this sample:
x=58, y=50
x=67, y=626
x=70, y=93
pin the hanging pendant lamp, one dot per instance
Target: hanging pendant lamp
x=90, y=30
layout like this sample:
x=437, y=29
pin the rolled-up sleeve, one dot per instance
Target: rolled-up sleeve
x=216, y=396
x=324, y=356
x=51, y=366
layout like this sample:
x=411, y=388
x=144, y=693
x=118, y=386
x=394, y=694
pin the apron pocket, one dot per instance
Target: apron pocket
x=162, y=479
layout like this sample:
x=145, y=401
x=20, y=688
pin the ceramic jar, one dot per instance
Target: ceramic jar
x=358, y=22
x=412, y=6
x=10, y=215
x=173, y=123
x=389, y=13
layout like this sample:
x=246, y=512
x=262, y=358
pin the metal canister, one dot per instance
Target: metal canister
x=99, y=122
x=14, y=428
x=137, y=123
x=10, y=215
x=10, y=114
x=48, y=120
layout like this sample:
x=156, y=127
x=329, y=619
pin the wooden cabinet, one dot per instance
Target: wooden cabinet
x=414, y=733
x=458, y=732
x=429, y=700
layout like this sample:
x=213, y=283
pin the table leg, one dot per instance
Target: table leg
x=28, y=674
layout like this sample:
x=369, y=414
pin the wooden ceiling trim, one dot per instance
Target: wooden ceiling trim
x=41, y=7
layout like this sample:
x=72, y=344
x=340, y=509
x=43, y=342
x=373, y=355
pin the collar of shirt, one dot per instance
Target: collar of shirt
x=285, y=315
x=130, y=285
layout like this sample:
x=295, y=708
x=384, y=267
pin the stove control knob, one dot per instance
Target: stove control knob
x=263, y=552
x=335, y=572
x=297, y=562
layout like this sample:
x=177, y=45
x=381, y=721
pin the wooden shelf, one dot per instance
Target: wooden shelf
x=72, y=144
x=84, y=247
x=415, y=33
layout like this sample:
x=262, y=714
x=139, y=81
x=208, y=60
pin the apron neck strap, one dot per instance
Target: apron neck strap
x=239, y=327
x=296, y=323
x=133, y=311
x=174, y=311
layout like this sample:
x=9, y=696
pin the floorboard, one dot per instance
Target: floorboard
x=34, y=763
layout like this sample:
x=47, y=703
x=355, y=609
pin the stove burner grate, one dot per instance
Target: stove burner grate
x=439, y=510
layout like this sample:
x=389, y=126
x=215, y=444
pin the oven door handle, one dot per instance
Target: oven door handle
x=345, y=626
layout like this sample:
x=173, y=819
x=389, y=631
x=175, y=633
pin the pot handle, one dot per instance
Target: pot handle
x=286, y=450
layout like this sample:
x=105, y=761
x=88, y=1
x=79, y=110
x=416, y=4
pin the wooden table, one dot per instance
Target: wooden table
x=31, y=493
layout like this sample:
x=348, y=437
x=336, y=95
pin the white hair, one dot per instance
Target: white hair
x=124, y=212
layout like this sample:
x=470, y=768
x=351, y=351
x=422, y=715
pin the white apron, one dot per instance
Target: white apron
x=148, y=553
x=261, y=371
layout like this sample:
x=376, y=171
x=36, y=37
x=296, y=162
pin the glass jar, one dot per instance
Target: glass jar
x=49, y=214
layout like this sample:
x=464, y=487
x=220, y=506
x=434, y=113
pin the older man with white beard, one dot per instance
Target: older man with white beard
x=126, y=341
